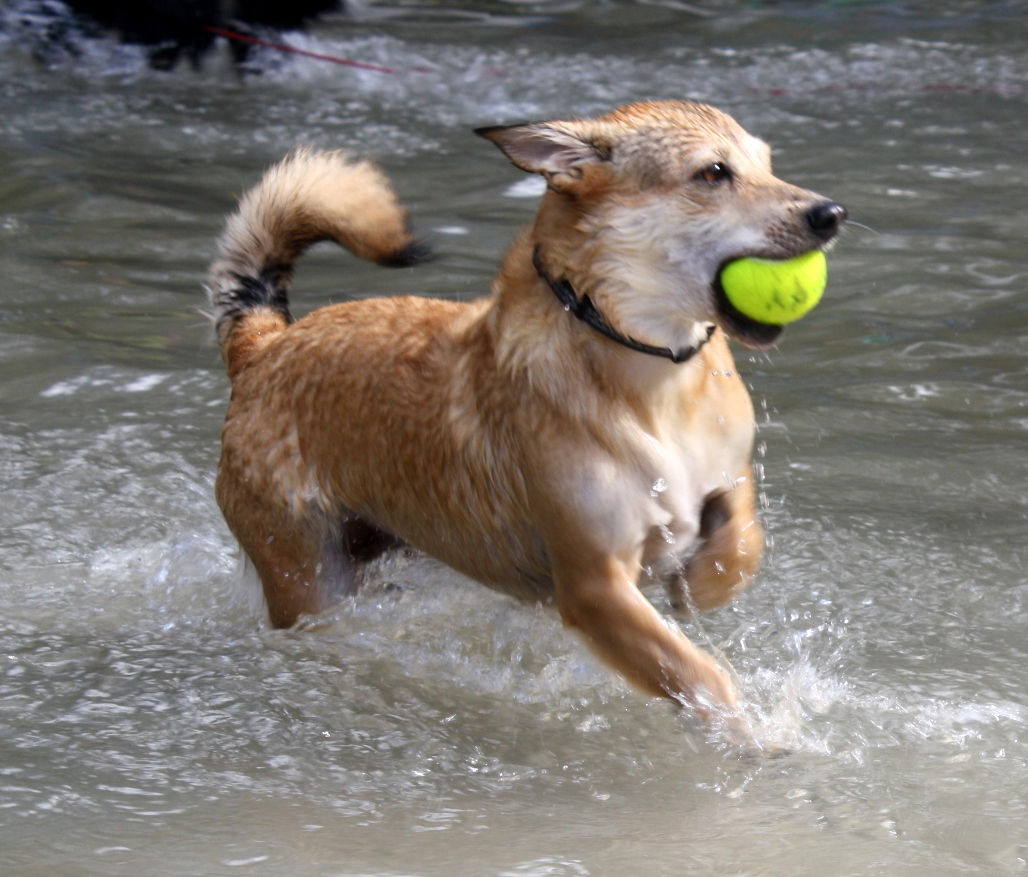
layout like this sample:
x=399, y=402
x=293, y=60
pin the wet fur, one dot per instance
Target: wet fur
x=503, y=436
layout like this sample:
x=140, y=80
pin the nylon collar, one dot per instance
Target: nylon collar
x=584, y=310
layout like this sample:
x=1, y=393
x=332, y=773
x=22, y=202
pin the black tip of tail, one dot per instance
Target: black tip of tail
x=416, y=252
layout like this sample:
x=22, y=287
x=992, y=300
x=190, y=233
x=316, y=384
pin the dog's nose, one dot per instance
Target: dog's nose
x=825, y=218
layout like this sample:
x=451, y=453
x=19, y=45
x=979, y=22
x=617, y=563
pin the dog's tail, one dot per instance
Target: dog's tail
x=308, y=197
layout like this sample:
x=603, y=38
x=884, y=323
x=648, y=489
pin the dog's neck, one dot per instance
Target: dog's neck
x=584, y=310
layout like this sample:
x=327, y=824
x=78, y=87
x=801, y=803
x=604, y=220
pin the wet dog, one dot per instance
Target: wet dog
x=579, y=429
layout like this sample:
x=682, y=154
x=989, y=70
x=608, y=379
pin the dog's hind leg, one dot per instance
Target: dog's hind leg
x=729, y=557
x=303, y=563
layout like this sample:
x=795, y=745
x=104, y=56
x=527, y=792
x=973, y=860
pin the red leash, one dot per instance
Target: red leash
x=282, y=47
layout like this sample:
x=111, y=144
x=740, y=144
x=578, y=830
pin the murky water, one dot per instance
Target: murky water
x=149, y=722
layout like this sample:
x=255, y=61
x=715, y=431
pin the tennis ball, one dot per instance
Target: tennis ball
x=776, y=291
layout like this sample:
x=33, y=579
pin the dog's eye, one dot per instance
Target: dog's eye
x=715, y=173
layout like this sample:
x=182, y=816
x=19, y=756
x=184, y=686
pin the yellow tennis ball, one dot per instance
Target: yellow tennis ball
x=776, y=291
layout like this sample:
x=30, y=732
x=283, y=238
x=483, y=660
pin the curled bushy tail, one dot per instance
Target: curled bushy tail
x=308, y=197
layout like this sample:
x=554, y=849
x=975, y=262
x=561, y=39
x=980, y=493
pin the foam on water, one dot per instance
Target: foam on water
x=117, y=511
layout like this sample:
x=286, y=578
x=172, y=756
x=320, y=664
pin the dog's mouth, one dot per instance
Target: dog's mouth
x=736, y=324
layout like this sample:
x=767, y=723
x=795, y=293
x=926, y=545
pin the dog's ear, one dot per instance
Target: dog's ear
x=544, y=148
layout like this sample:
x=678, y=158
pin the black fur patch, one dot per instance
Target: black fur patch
x=249, y=293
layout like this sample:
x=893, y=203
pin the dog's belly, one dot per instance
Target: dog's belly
x=523, y=571
x=509, y=559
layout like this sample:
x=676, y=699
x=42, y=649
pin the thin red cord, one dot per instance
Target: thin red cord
x=283, y=47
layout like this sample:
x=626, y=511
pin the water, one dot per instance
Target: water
x=151, y=724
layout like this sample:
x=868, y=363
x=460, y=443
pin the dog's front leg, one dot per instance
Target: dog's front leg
x=598, y=597
x=731, y=552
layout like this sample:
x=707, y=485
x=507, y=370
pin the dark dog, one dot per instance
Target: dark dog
x=173, y=29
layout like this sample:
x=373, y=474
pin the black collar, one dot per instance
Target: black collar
x=585, y=310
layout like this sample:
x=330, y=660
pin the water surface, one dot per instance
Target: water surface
x=151, y=724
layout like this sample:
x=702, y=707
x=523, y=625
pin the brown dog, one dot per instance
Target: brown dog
x=555, y=440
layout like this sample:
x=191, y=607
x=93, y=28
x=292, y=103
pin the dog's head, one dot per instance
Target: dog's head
x=646, y=205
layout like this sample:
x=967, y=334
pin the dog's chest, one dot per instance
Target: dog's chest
x=672, y=520
x=694, y=458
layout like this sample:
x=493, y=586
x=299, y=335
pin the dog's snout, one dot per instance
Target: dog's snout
x=825, y=218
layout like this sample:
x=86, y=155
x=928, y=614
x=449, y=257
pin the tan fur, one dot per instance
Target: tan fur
x=505, y=437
